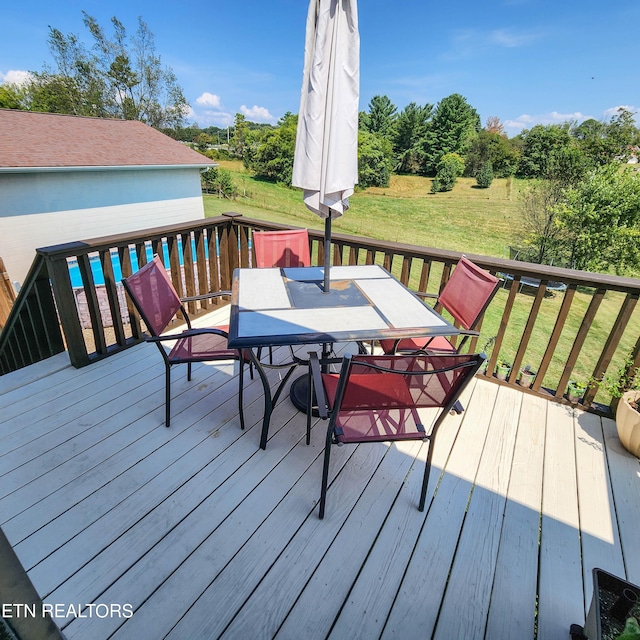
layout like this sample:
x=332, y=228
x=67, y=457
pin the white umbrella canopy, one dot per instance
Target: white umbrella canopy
x=325, y=164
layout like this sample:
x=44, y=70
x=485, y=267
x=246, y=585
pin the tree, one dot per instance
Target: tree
x=409, y=131
x=381, y=117
x=239, y=142
x=12, y=96
x=454, y=125
x=120, y=77
x=272, y=151
x=495, y=148
x=539, y=144
x=601, y=217
x=485, y=175
x=604, y=142
x=541, y=235
x=374, y=160
x=494, y=125
x=219, y=181
x=449, y=169
x=622, y=134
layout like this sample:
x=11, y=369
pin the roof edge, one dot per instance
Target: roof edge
x=134, y=167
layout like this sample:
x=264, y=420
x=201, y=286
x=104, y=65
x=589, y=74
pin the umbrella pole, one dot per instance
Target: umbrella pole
x=327, y=254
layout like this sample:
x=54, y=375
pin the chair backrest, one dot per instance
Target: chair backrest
x=289, y=248
x=153, y=295
x=468, y=292
x=382, y=382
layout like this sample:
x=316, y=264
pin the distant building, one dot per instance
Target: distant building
x=66, y=178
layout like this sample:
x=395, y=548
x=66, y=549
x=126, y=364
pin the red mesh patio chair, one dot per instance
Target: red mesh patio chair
x=466, y=295
x=377, y=399
x=289, y=248
x=157, y=302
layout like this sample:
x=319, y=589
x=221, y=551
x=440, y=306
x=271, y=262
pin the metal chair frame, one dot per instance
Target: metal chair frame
x=468, y=364
x=158, y=338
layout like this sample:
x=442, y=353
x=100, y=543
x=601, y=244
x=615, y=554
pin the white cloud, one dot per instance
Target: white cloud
x=257, y=114
x=209, y=100
x=15, y=76
x=526, y=121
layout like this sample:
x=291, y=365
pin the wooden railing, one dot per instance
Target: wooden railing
x=584, y=329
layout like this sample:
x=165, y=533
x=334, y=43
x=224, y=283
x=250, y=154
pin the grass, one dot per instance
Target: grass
x=469, y=219
x=465, y=219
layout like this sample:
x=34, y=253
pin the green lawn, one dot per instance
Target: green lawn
x=465, y=219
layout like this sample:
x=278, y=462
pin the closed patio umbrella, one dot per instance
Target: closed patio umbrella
x=325, y=164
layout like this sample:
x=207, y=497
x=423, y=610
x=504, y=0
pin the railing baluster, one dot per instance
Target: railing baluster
x=555, y=336
x=609, y=349
x=504, y=323
x=111, y=290
x=189, y=273
x=528, y=330
x=578, y=343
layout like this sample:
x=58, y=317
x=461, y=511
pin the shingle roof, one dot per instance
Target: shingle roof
x=29, y=140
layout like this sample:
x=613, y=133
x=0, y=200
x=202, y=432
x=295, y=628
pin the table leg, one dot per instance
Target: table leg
x=269, y=399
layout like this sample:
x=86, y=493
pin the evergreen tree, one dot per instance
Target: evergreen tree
x=454, y=125
x=409, y=132
x=485, y=175
x=381, y=117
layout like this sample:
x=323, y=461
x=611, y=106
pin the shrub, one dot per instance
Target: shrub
x=485, y=176
x=449, y=168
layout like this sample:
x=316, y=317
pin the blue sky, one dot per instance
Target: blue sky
x=524, y=61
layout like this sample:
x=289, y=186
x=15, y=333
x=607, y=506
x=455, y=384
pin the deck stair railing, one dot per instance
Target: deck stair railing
x=583, y=329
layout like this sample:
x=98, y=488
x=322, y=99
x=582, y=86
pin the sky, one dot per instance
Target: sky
x=525, y=62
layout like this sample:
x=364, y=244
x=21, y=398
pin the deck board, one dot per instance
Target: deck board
x=208, y=536
x=511, y=614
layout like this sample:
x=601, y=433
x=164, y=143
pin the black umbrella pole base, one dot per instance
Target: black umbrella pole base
x=298, y=394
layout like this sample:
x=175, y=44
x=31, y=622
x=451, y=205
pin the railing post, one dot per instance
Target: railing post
x=66, y=305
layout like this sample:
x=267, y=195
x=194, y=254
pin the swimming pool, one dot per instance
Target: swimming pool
x=96, y=266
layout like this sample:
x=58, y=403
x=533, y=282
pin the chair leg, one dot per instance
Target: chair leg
x=325, y=474
x=241, y=391
x=427, y=472
x=167, y=396
x=189, y=371
x=457, y=407
x=309, y=402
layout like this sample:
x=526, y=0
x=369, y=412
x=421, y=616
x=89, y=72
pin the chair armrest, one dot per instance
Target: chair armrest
x=424, y=294
x=187, y=334
x=468, y=332
x=316, y=373
x=206, y=296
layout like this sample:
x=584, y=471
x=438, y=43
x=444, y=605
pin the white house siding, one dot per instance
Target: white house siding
x=41, y=208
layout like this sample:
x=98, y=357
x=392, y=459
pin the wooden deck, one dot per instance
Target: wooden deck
x=205, y=535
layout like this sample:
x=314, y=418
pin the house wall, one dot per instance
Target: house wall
x=42, y=208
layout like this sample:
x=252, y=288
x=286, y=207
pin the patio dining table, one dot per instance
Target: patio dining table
x=287, y=306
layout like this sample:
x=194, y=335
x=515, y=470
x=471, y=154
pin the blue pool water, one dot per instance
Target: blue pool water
x=96, y=267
